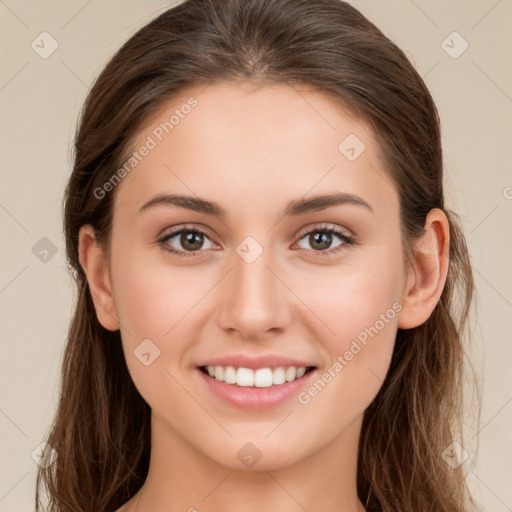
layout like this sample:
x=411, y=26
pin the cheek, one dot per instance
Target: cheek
x=156, y=312
x=163, y=304
x=351, y=297
x=358, y=306
x=155, y=299
x=358, y=355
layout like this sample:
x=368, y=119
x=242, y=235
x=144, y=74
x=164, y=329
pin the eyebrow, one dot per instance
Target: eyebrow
x=294, y=208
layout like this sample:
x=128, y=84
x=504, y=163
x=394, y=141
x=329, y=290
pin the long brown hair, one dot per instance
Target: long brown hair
x=101, y=430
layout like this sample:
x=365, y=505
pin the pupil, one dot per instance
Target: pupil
x=187, y=239
x=322, y=237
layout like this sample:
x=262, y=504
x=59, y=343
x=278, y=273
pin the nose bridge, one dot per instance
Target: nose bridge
x=255, y=300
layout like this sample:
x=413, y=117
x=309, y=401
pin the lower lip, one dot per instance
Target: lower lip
x=254, y=398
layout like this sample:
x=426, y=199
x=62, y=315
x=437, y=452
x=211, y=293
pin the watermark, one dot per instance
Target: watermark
x=249, y=455
x=44, y=455
x=146, y=352
x=304, y=397
x=507, y=192
x=44, y=250
x=249, y=249
x=454, y=455
x=152, y=140
x=44, y=45
x=351, y=147
x=454, y=45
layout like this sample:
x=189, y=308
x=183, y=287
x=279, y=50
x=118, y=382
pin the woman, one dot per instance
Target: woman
x=266, y=272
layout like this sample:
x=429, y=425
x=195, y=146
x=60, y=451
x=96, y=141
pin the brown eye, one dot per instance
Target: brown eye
x=320, y=239
x=191, y=240
x=188, y=241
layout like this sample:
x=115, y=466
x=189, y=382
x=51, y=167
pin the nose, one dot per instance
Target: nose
x=257, y=303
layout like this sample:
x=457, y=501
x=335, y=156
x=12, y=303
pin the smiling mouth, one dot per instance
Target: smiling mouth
x=258, y=378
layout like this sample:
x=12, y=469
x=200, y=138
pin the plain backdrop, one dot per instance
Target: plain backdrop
x=39, y=103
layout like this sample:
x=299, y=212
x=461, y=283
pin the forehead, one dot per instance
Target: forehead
x=255, y=146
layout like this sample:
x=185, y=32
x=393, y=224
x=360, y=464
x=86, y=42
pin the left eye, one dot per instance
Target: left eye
x=192, y=240
x=323, y=237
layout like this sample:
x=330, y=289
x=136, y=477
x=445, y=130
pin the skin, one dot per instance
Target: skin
x=252, y=150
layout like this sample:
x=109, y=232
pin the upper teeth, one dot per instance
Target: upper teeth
x=261, y=378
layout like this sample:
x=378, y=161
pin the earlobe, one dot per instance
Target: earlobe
x=426, y=280
x=94, y=262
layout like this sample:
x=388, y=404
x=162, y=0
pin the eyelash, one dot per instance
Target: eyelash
x=322, y=229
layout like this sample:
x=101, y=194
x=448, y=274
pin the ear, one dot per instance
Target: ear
x=94, y=262
x=427, y=277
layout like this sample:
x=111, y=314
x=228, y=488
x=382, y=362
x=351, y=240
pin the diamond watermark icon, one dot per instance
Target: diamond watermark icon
x=44, y=249
x=249, y=249
x=454, y=455
x=44, y=455
x=454, y=45
x=351, y=147
x=249, y=455
x=44, y=45
x=146, y=352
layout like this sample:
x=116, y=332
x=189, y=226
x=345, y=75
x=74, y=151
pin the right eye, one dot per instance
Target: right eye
x=190, y=239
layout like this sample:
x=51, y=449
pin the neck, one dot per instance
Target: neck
x=182, y=478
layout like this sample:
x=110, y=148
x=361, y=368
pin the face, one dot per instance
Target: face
x=277, y=280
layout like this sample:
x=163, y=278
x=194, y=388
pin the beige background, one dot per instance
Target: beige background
x=39, y=102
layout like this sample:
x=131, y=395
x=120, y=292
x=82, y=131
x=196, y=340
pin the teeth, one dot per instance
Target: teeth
x=219, y=373
x=263, y=378
x=291, y=373
x=260, y=378
x=244, y=377
x=279, y=376
x=230, y=375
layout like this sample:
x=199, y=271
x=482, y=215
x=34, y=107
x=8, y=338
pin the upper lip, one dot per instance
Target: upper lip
x=255, y=362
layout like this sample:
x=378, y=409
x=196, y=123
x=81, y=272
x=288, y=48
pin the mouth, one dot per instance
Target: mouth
x=266, y=377
x=255, y=381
